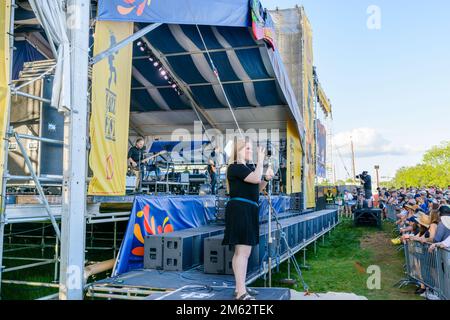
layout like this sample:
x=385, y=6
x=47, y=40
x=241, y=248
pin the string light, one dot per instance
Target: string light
x=157, y=64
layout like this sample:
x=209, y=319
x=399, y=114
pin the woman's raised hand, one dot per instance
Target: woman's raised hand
x=261, y=155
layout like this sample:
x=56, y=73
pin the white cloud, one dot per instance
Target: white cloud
x=369, y=142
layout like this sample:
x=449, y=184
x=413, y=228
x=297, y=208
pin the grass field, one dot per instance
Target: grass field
x=340, y=264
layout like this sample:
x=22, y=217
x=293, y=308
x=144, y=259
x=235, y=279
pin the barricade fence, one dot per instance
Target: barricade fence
x=429, y=268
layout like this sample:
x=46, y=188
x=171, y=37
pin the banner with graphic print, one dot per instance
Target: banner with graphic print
x=5, y=20
x=294, y=159
x=156, y=215
x=231, y=13
x=162, y=214
x=262, y=24
x=309, y=112
x=111, y=86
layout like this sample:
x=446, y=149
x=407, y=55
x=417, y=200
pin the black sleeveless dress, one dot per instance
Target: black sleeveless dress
x=241, y=215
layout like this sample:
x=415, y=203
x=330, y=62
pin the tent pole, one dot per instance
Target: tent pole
x=73, y=220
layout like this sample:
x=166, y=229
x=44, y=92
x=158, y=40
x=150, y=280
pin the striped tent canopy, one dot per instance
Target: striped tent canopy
x=253, y=78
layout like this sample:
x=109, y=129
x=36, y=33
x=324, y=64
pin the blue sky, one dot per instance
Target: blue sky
x=390, y=88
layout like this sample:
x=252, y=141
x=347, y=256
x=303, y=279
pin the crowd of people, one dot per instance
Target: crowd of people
x=420, y=214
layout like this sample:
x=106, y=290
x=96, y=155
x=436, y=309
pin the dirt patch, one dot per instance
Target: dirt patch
x=379, y=243
x=386, y=255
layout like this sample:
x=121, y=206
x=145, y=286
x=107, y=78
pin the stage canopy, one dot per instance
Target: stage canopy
x=252, y=73
x=253, y=76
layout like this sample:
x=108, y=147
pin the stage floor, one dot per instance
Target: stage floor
x=169, y=280
x=142, y=283
x=201, y=293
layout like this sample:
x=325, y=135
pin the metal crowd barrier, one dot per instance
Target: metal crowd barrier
x=391, y=213
x=429, y=268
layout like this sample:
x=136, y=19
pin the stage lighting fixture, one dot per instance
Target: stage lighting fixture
x=151, y=59
x=156, y=63
x=174, y=86
x=166, y=78
x=139, y=43
x=163, y=72
x=142, y=49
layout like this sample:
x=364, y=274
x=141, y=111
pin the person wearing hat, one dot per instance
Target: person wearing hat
x=443, y=228
x=427, y=229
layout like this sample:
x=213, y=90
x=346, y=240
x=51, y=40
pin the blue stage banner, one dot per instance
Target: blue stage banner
x=163, y=214
x=156, y=215
x=279, y=203
x=231, y=13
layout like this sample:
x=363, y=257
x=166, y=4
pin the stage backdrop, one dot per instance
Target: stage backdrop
x=321, y=150
x=294, y=159
x=111, y=86
x=309, y=112
x=5, y=16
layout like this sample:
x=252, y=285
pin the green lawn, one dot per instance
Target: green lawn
x=340, y=264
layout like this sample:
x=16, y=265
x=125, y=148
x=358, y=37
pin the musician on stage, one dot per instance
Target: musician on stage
x=245, y=181
x=136, y=160
x=212, y=171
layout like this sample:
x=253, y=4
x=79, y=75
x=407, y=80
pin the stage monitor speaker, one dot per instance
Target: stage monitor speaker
x=214, y=255
x=153, y=252
x=184, y=249
x=253, y=260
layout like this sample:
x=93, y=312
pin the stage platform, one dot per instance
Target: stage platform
x=201, y=293
x=139, y=284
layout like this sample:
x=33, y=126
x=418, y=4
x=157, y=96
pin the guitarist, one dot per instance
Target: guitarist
x=136, y=160
x=212, y=171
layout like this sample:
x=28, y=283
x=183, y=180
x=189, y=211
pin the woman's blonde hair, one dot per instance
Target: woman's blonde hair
x=237, y=146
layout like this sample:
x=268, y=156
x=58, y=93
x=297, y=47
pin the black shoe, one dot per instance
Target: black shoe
x=420, y=291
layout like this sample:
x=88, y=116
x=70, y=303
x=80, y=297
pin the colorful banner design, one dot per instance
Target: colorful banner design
x=232, y=13
x=5, y=21
x=309, y=112
x=294, y=159
x=321, y=150
x=162, y=214
x=111, y=86
x=262, y=24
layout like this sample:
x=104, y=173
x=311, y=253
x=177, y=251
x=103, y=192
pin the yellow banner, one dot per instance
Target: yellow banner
x=5, y=21
x=309, y=113
x=294, y=159
x=111, y=85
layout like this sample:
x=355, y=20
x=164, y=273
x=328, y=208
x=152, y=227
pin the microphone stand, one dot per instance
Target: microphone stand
x=270, y=239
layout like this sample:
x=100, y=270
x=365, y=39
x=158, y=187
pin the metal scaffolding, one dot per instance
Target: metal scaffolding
x=74, y=213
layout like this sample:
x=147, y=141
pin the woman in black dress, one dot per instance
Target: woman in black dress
x=242, y=210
